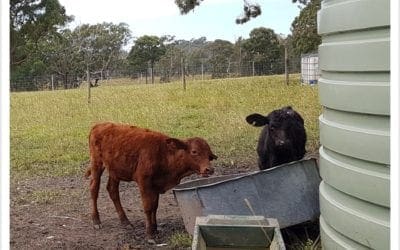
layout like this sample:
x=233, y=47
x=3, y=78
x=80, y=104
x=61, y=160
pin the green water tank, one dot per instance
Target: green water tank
x=354, y=91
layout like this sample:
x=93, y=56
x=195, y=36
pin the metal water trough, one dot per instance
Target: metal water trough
x=236, y=232
x=288, y=192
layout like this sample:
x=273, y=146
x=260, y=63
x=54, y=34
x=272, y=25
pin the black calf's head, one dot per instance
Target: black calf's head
x=282, y=126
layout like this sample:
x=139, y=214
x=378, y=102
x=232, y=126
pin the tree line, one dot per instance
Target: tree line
x=42, y=45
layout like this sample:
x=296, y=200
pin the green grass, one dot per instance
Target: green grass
x=180, y=240
x=41, y=197
x=49, y=129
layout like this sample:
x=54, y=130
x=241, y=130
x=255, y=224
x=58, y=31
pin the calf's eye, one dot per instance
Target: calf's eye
x=194, y=152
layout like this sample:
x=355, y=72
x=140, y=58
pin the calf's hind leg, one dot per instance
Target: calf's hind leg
x=96, y=171
x=113, y=191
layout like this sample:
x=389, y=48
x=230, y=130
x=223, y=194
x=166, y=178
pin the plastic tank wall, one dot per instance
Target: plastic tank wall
x=355, y=124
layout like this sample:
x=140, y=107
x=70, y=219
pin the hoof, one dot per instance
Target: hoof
x=97, y=226
x=126, y=224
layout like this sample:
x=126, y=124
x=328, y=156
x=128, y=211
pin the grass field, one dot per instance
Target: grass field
x=49, y=129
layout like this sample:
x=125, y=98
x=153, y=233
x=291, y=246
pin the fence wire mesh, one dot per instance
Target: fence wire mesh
x=159, y=74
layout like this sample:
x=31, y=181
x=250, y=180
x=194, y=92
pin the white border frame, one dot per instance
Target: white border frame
x=4, y=127
x=5, y=122
x=394, y=124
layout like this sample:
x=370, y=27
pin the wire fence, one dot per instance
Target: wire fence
x=159, y=74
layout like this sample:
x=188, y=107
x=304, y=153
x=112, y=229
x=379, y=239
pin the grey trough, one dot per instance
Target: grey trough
x=288, y=192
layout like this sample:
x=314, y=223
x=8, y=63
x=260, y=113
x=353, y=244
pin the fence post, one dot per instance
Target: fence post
x=183, y=73
x=52, y=82
x=254, y=70
x=152, y=72
x=202, y=71
x=286, y=66
x=88, y=82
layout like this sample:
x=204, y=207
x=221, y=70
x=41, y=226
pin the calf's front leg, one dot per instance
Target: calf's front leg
x=150, y=204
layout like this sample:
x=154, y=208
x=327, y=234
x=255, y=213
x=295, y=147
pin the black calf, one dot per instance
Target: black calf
x=282, y=139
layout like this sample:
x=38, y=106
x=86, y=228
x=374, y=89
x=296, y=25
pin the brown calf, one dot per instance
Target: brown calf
x=153, y=160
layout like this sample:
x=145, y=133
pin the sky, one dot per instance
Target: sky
x=213, y=19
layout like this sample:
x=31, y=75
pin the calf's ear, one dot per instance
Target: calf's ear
x=257, y=120
x=175, y=144
x=294, y=114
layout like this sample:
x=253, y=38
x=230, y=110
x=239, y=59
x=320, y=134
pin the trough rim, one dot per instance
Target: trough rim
x=239, y=176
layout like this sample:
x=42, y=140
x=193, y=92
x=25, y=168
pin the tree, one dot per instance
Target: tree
x=61, y=57
x=110, y=40
x=305, y=38
x=265, y=49
x=198, y=55
x=250, y=10
x=221, y=54
x=194, y=52
x=238, y=55
x=30, y=22
x=146, y=50
x=170, y=62
x=100, y=45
